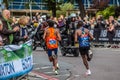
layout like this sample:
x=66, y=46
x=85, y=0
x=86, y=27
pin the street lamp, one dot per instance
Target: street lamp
x=30, y=6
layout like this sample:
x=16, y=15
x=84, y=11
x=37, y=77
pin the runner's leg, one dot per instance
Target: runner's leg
x=50, y=55
x=55, y=58
x=84, y=58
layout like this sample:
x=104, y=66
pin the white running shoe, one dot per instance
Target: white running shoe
x=56, y=72
x=88, y=73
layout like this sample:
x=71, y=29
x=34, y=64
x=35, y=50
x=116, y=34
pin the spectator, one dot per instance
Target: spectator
x=111, y=29
x=22, y=34
x=7, y=31
x=1, y=27
x=118, y=22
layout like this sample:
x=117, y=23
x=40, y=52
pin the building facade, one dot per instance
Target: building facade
x=25, y=4
x=39, y=4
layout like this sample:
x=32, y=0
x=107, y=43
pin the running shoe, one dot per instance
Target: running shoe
x=57, y=67
x=56, y=72
x=88, y=73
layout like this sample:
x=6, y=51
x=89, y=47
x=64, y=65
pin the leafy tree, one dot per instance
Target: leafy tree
x=81, y=8
x=7, y=3
x=71, y=1
x=53, y=5
x=100, y=4
x=117, y=11
x=109, y=11
x=64, y=8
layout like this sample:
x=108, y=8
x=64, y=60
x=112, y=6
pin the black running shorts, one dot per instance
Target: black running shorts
x=84, y=50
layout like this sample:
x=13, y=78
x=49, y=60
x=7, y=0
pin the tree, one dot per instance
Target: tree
x=100, y=4
x=64, y=8
x=81, y=8
x=7, y=3
x=117, y=11
x=109, y=11
x=53, y=5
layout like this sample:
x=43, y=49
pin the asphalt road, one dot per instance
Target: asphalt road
x=104, y=66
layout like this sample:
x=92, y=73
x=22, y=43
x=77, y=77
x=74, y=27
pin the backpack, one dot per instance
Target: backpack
x=84, y=39
x=51, y=39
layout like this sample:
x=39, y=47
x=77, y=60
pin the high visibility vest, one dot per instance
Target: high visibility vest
x=51, y=39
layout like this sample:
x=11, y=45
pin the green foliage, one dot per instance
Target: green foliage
x=64, y=8
x=7, y=2
x=67, y=6
x=109, y=11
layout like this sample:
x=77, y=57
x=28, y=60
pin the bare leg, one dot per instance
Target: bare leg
x=51, y=59
x=84, y=58
x=55, y=62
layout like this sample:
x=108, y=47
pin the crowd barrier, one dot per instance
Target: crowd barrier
x=15, y=60
x=103, y=37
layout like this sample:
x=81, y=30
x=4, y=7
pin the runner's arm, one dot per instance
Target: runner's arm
x=58, y=35
x=91, y=36
x=76, y=36
x=44, y=35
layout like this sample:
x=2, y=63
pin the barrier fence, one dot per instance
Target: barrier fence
x=103, y=35
x=104, y=38
x=15, y=60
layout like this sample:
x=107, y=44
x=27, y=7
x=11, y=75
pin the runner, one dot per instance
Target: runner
x=83, y=36
x=52, y=36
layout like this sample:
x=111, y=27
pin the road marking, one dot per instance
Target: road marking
x=50, y=72
x=61, y=75
x=36, y=68
x=44, y=76
x=35, y=63
x=45, y=67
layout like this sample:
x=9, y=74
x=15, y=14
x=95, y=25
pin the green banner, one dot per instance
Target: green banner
x=15, y=60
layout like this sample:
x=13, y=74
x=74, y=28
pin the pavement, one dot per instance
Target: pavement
x=42, y=69
x=104, y=66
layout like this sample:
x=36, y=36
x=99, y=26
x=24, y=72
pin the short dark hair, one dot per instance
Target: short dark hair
x=80, y=24
x=50, y=23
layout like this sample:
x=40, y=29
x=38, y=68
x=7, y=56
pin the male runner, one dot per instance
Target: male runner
x=51, y=37
x=83, y=36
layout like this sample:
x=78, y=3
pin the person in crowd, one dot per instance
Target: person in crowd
x=118, y=22
x=72, y=28
x=86, y=23
x=1, y=27
x=56, y=22
x=51, y=37
x=7, y=31
x=61, y=23
x=111, y=29
x=21, y=35
x=83, y=36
